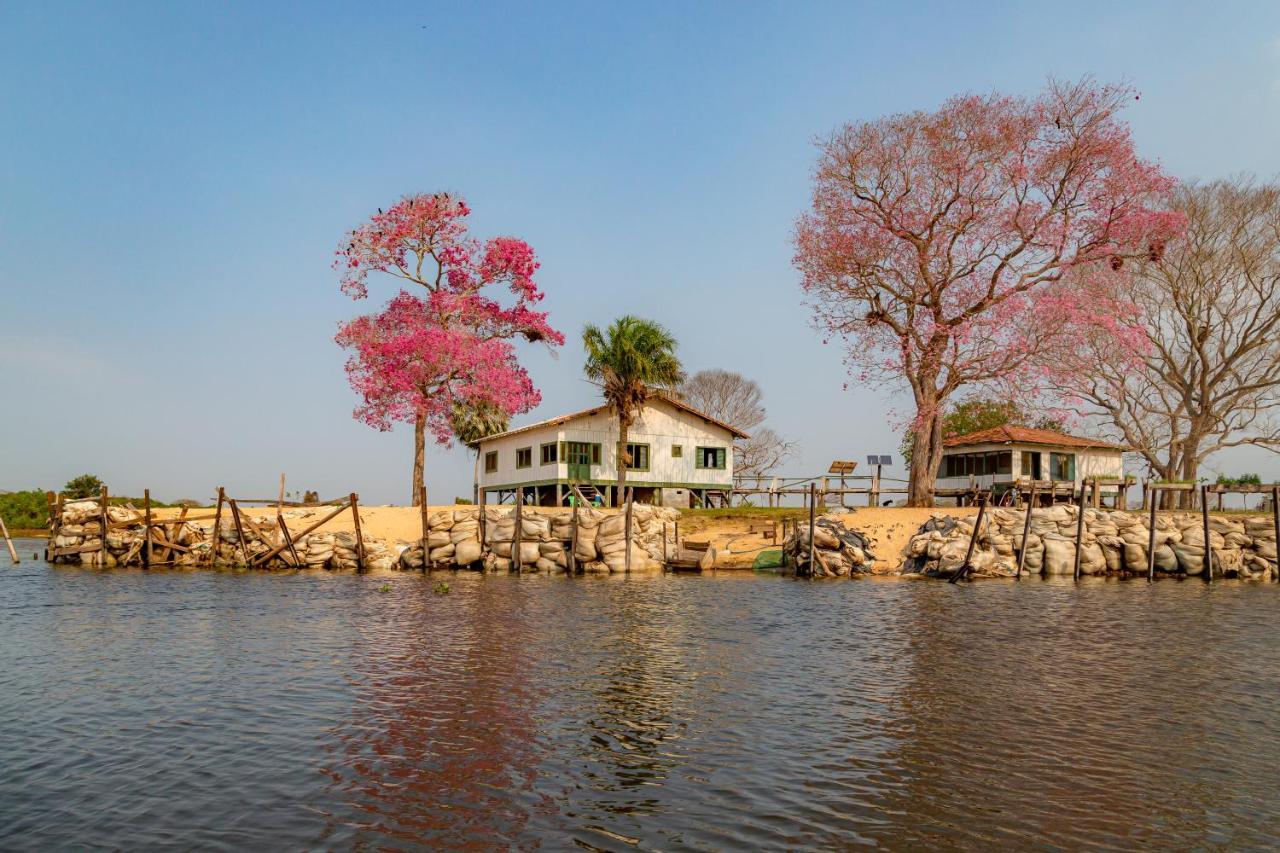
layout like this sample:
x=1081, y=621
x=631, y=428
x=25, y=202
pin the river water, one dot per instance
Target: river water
x=318, y=710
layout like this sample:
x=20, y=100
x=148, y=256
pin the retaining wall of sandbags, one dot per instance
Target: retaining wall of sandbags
x=1113, y=542
x=453, y=541
x=838, y=551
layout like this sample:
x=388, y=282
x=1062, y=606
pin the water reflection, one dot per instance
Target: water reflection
x=314, y=710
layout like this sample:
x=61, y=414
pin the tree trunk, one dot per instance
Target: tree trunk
x=419, y=460
x=926, y=454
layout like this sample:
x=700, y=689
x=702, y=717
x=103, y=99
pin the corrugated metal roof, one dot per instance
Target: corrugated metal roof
x=679, y=404
x=1027, y=435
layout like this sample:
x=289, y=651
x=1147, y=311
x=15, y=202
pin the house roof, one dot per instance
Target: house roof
x=1009, y=434
x=557, y=421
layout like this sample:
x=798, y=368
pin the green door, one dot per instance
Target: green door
x=578, y=455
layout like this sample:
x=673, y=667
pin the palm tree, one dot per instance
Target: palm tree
x=630, y=360
x=472, y=422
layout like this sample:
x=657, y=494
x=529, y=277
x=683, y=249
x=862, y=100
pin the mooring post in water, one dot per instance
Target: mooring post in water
x=1026, y=531
x=973, y=540
x=217, y=521
x=1208, y=548
x=426, y=531
x=13, y=554
x=516, y=563
x=146, y=547
x=1075, y=573
x=813, y=509
x=627, y=525
x=355, y=515
x=1151, y=542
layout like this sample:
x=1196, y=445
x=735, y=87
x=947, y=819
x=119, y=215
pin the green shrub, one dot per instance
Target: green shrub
x=28, y=510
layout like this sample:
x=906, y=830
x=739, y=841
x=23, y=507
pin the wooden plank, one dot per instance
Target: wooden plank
x=13, y=554
x=106, y=522
x=1079, y=535
x=172, y=535
x=516, y=562
x=1026, y=531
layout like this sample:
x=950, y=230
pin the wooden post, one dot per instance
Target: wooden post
x=217, y=520
x=873, y=499
x=665, y=558
x=1145, y=495
x=426, y=525
x=13, y=554
x=288, y=540
x=106, y=524
x=1026, y=531
x=812, y=514
x=146, y=548
x=573, y=533
x=1275, y=520
x=235, y=517
x=1151, y=537
x=1079, y=534
x=965, y=568
x=516, y=562
x=627, y=525
x=784, y=544
x=355, y=514
x=280, y=500
x=1208, y=549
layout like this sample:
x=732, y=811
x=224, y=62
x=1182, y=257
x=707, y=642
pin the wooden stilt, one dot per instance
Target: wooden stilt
x=966, y=567
x=1075, y=572
x=288, y=540
x=1026, y=531
x=516, y=562
x=106, y=524
x=244, y=542
x=355, y=515
x=217, y=521
x=1208, y=549
x=627, y=525
x=1275, y=521
x=573, y=536
x=426, y=531
x=13, y=553
x=813, y=510
x=1151, y=537
x=146, y=509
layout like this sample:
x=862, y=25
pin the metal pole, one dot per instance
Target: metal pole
x=1208, y=549
x=1151, y=538
x=1026, y=531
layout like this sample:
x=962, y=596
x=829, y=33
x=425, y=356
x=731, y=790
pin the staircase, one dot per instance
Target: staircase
x=588, y=492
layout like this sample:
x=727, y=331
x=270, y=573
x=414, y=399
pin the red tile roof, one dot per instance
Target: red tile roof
x=1009, y=434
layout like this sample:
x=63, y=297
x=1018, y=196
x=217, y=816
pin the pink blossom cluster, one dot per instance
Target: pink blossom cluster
x=453, y=342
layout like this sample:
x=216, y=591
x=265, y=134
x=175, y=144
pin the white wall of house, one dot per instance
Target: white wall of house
x=1095, y=462
x=660, y=425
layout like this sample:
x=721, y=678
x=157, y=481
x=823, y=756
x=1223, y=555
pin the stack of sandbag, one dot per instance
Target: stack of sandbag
x=1112, y=542
x=838, y=551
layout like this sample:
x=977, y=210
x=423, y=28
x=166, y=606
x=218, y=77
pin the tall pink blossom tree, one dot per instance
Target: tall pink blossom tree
x=450, y=341
x=957, y=248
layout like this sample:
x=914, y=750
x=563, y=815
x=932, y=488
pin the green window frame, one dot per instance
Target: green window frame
x=677, y=451
x=639, y=453
x=595, y=454
x=524, y=457
x=710, y=458
x=548, y=455
x=491, y=462
x=1062, y=467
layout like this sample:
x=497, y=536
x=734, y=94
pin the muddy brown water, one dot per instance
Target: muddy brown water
x=251, y=710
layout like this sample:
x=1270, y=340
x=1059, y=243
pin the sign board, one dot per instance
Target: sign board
x=842, y=467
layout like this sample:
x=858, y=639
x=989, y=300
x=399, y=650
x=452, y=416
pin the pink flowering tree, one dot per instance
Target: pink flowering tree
x=961, y=247
x=447, y=341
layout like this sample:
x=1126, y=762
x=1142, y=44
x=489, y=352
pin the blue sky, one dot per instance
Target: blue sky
x=174, y=178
